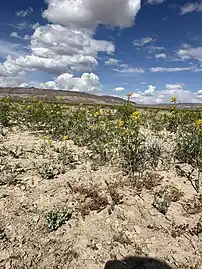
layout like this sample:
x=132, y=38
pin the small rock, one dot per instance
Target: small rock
x=36, y=218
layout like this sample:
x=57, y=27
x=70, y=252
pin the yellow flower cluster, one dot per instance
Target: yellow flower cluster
x=121, y=123
x=96, y=114
x=44, y=138
x=65, y=138
x=199, y=123
x=174, y=99
x=47, y=140
x=136, y=115
x=5, y=99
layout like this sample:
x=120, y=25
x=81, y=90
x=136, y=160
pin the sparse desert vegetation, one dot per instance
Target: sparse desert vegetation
x=80, y=185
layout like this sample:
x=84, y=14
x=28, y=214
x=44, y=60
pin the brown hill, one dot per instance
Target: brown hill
x=71, y=97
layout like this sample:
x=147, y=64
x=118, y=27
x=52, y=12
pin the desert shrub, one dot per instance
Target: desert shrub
x=47, y=116
x=178, y=230
x=181, y=120
x=189, y=150
x=93, y=200
x=10, y=174
x=193, y=205
x=172, y=121
x=187, y=118
x=5, y=111
x=197, y=229
x=132, y=149
x=154, y=153
x=48, y=170
x=103, y=148
x=154, y=120
x=65, y=155
x=114, y=194
x=56, y=218
x=124, y=112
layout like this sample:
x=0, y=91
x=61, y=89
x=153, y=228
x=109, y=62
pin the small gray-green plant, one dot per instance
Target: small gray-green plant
x=162, y=201
x=56, y=218
x=48, y=171
x=65, y=155
x=10, y=174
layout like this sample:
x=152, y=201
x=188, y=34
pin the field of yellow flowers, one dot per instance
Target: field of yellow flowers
x=82, y=185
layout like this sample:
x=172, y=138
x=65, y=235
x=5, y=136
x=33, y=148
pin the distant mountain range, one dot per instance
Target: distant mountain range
x=74, y=97
x=71, y=97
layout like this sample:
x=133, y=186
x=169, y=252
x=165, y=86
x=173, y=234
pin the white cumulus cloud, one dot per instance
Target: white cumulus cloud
x=150, y=91
x=153, y=96
x=68, y=44
x=88, y=82
x=199, y=92
x=59, y=49
x=13, y=81
x=89, y=13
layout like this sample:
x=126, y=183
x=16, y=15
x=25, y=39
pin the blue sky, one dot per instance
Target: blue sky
x=152, y=48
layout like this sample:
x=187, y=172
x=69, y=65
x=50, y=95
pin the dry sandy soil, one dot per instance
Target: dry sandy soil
x=103, y=216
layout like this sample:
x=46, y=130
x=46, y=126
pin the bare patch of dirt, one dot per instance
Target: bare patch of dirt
x=74, y=217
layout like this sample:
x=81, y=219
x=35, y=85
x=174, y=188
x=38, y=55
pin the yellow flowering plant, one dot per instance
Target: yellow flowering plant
x=199, y=123
x=121, y=123
x=6, y=111
x=135, y=115
x=96, y=114
x=174, y=99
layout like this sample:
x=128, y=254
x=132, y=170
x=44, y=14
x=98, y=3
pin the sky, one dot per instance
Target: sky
x=150, y=48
